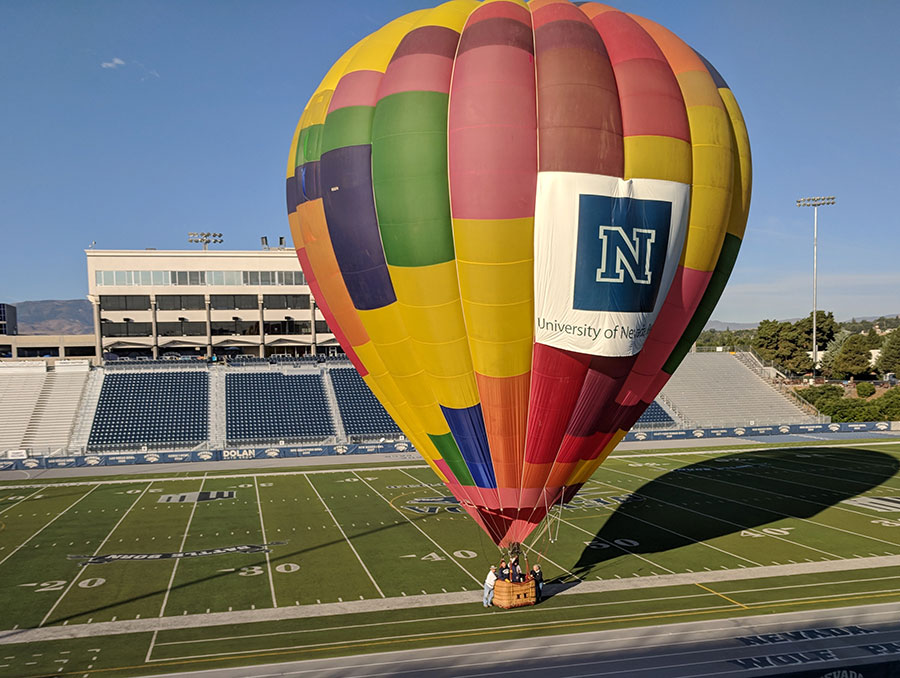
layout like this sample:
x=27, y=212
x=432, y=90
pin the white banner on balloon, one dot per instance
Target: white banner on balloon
x=605, y=253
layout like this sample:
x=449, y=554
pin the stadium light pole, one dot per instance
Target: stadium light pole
x=205, y=238
x=815, y=203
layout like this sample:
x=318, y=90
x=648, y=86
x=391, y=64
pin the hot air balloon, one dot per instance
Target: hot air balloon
x=516, y=218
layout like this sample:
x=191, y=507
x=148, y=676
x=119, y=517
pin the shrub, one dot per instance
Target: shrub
x=864, y=389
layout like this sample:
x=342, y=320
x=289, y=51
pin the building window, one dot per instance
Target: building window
x=322, y=326
x=181, y=329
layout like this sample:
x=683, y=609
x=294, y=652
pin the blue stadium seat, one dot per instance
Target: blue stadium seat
x=271, y=406
x=360, y=410
x=156, y=409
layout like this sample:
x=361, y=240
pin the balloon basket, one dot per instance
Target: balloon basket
x=509, y=594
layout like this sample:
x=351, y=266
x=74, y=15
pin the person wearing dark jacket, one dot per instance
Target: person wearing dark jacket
x=503, y=571
x=538, y=577
x=515, y=572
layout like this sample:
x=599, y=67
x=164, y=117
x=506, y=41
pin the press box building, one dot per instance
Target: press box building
x=203, y=303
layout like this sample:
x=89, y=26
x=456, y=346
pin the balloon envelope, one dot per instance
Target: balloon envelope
x=516, y=218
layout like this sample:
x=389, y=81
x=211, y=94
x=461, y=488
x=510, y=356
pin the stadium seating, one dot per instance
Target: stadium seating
x=155, y=409
x=717, y=389
x=54, y=412
x=655, y=417
x=19, y=393
x=361, y=412
x=275, y=406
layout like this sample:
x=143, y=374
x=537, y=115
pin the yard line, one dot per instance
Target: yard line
x=46, y=525
x=707, y=515
x=425, y=534
x=265, y=541
x=162, y=609
x=86, y=566
x=684, y=536
x=808, y=501
x=150, y=649
x=621, y=548
x=341, y=530
x=20, y=501
x=838, y=470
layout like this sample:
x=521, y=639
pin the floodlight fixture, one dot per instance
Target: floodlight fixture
x=815, y=202
x=205, y=238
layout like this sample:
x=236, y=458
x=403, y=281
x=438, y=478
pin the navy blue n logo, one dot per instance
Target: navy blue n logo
x=621, y=254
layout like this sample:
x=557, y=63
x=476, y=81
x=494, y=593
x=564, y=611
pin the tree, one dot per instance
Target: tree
x=889, y=360
x=826, y=360
x=826, y=327
x=853, y=358
x=784, y=344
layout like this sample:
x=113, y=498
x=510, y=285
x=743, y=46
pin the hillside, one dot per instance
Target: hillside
x=67, y=316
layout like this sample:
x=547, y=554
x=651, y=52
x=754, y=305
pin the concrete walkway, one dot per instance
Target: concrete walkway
x=423, y=601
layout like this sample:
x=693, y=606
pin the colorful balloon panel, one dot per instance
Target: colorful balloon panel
x=517, y=217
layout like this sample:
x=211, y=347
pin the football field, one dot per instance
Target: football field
x=155, y=575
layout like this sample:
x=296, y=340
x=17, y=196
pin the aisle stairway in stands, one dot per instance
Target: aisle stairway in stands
x=53, y=417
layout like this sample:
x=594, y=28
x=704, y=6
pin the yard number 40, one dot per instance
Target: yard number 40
x=768, y=532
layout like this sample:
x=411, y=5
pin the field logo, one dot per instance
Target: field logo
x=621, y=253
x=341, y=449
x=91, y=461
x=204, y=456
x=273, y=452
x=881, y=426
x=401, y=447
x=119, y=557
x=151, y=458
x=640, y=436
x=834, y=427
x=784, y=429
x=432, y=505
x=697, y=433
x=740, y=431
x=194, y=497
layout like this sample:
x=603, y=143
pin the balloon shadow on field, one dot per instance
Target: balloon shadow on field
x=745, y=491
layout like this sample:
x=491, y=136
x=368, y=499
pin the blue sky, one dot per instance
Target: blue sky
x=132, y=123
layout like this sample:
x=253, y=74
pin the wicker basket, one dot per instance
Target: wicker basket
x=509, y=594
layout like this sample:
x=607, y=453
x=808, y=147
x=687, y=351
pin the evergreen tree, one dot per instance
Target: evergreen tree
x=853, y=358
x=889, y=360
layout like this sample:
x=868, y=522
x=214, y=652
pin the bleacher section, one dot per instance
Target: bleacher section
x=276, y=406
x=655, y=416
x=20, y=388
x=54, y=412
x=153, y=409
x=716, y=389
x=361, y=412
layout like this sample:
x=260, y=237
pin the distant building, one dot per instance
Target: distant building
x=8, y=324
x=203, y=303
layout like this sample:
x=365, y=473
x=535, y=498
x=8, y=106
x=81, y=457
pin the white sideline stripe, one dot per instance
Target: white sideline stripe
x=162, y=608
x=344, y=534
x=470, y=616
x=643, y=640
x=808, y=501
x=429, y=601
x=659, y=452
x=262, y=525
x=425, y=534
x=493, y=627
x=19, y=502
x=686, y=636
x=46, y=525
x=83, y=568
x=150, y=649
x=723, y=520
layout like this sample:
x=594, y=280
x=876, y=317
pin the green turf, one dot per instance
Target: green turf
x=347, y=534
